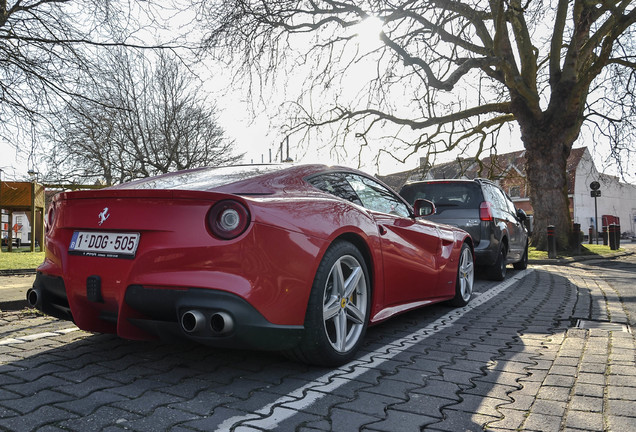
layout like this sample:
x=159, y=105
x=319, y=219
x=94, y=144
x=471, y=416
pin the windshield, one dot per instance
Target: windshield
x=445, y=194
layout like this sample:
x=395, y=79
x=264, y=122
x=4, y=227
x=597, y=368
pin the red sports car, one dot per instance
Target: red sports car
x=292, y=258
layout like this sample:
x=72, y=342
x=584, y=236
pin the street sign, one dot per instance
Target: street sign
x=595, y=193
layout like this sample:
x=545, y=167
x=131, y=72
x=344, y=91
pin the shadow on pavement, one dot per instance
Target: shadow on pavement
x=481, y=369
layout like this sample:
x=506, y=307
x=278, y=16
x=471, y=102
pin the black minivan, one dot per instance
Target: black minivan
x=482, y=209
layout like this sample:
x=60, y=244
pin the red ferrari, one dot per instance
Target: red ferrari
x=299, y=259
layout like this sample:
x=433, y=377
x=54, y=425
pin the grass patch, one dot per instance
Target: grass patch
x=534, y=254
x=586, y=249
x=21, y=259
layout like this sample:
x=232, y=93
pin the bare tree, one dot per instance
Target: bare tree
x=47, y=46
x=141, y=119
x=547, y=67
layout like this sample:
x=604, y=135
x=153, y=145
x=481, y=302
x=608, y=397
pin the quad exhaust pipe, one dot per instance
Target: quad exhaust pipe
x=194, y=321
x=221, y=323
x=34, y=298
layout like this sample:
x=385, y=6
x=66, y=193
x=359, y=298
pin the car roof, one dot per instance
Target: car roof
x=238, y=179
x=475, y=180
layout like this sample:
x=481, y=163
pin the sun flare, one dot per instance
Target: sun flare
x=368, y=31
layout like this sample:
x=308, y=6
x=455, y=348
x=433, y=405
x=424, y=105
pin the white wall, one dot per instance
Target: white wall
x=23, y=234
x=618, y=199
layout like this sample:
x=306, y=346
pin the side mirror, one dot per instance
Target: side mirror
x=423, y=207
x=521, y=215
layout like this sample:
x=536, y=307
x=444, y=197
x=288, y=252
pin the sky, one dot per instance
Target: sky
x=258, y=137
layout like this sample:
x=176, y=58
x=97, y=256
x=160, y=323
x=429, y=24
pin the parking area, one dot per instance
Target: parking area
x=512, y=359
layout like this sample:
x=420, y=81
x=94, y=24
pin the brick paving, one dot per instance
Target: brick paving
x=515, y=362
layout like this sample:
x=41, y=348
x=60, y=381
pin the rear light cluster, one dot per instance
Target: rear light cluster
x=485, y=211
x=50, y=218
x=228, y=219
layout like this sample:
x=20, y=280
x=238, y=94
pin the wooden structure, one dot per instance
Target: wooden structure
x=25, y=197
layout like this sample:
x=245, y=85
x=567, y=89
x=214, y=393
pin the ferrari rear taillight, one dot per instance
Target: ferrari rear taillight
x=50, y=218
x=228, y=219
x=485, y=211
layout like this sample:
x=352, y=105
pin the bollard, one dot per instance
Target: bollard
x=551, y=242
x=618, y=236
x=605, y=234
x=612, y=237
x=591, y=234
x=576, y=239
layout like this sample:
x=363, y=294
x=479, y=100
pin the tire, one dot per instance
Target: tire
x=523, y=264
x=498, y=271
x=338, y=310
x=465, y=277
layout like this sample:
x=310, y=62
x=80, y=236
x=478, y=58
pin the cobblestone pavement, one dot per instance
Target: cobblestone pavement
x=511, y=360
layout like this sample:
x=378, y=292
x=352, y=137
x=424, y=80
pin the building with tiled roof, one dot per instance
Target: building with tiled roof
x=508, y=171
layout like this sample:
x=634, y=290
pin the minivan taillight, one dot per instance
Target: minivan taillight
x=485, y=211
x=228, y=219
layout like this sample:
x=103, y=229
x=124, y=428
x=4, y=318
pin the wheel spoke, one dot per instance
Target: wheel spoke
x=466, y=274
x=355, y=314
x=351, y=284
x=341, y=331
x=467, y=268
x=331, y=308
x=338, y=279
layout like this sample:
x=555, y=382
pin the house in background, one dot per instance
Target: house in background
x=508, y=171
x=20, y=225
x=22, y=207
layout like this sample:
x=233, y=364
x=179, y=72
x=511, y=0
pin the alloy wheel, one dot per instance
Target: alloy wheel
x=345, y=304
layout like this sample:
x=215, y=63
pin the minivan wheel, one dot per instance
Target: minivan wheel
x=498, y=271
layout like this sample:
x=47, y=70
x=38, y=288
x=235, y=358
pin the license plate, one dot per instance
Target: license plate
x=104, y=244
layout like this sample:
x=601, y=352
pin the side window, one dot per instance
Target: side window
x=488, y=193
x=511, y=206
x=335, y=184
x=504, y=202
x=376, y=197
x=495, y=197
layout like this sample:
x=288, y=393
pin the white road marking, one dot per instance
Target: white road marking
x=268, y=417
x=29, y=338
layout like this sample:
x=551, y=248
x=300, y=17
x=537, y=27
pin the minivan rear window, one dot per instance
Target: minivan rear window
x=449, y=194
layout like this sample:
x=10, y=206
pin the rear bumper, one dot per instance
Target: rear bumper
x=158, y=313
x=48, y=294
x=163, y=310
x=485, y=254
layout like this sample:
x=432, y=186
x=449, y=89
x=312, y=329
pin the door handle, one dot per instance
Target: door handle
x=381, y=229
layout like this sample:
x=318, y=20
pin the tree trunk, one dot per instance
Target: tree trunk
x=546, y=168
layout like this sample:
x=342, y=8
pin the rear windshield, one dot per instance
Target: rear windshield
x=201, y=178
x=449, y=194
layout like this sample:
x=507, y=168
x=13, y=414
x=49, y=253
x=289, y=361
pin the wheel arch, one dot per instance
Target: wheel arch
x=504, y=242
x=469, y=241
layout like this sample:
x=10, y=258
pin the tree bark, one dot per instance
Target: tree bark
x=546, y=169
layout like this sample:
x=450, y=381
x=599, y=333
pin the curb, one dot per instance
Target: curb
x=13, y=304
x=17, y=272
x=569, y=260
